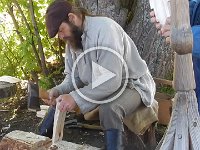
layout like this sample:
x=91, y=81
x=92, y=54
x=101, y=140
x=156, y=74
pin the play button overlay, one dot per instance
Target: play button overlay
x=100, y=75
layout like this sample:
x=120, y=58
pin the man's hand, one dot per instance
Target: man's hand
x=52, y=95
x=66, y=103
x=163, y=30
x=153, y=20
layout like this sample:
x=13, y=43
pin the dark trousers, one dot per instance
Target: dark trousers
x=46, y=126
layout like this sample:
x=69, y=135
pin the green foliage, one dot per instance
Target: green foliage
x=16, y=43
x=167, y=90
x=46, y=82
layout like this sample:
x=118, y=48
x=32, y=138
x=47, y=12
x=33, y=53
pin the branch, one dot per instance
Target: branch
x=29, y=28
x=10, y=11
x=39, y=42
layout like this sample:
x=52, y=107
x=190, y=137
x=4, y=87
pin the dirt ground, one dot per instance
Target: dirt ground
x=15, y=116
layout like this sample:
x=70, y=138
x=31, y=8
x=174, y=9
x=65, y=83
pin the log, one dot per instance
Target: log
x=183, y=73
x=20, y=140
x=7, y=89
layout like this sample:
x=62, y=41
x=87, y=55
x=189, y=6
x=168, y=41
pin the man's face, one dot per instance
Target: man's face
x=71, y=34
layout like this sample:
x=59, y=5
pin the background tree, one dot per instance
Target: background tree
x=24, y=40
x=133, y=16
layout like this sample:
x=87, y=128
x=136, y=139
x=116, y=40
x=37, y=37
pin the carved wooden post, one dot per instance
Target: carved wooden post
x=184, y=128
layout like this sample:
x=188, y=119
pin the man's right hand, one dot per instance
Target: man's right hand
x=52, y=95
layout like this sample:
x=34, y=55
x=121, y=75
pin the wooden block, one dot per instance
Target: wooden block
x=163, y=81
x=41, y=113
x=165, y=107
x=64, y=145
x=44, y=107
x=20, y=140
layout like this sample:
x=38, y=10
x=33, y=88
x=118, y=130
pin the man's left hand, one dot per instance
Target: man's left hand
x=66, y=103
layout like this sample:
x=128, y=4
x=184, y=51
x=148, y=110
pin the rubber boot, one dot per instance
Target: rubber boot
x=114, y=139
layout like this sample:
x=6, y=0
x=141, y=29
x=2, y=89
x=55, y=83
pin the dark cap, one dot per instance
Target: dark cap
x=56, y=13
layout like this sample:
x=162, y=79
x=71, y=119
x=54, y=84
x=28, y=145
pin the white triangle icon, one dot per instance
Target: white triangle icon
x=100, y=75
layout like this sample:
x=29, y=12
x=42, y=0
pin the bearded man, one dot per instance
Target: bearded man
x=82, y=31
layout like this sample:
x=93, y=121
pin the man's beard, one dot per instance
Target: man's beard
x=75, y=40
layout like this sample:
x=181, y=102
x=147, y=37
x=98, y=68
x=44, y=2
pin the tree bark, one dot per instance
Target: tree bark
x=133, y=16
x=151, y=46
x=109, y=8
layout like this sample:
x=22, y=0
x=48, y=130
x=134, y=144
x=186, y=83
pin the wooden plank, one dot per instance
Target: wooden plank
x=164, y=111
x=181, y=135
x=194, y=121
x=59, y=119
x=162, y=81
x=168, y=141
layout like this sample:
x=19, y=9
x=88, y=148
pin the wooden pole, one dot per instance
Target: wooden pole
x=184, y=127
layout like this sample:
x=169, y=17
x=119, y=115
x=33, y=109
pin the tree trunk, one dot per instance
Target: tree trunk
x=151, y=46
x=39, y=42
x=133, y=16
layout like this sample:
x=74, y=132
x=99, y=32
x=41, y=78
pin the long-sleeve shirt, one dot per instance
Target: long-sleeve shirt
x=103, y=31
